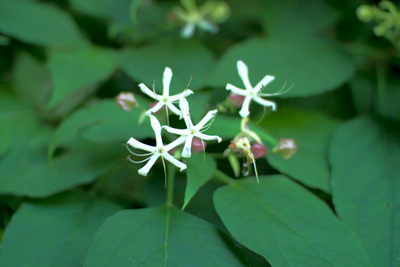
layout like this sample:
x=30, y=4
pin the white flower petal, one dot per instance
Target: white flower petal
x=146, y=168
x=166, y=81
x=185, y=93
x=139, y=145
x=174, y=109
x=155, y=124
x=155, y=109
x=188, y=31
x=184, y=106
x=211, y=114
x=208, y=137
x=244, y=74
x=174, y=161
x=187, y=149
x=244, y=111
x=175, y=143
x=264, y=82
x=176, y=131
x=208, y=26
x=148, y=92
x=265, y=103
x=236, y=90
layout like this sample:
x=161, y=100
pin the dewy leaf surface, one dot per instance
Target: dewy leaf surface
x=200, y=169
x=366, y=185
x=315, y=66
x=312, y=132
x=74, y=70
x=185, y=58
x=39, y=23
x=53, y=235
x=159, y=236
x=286, y=224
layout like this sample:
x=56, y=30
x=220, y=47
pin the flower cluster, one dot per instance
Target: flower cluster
x=187, y=136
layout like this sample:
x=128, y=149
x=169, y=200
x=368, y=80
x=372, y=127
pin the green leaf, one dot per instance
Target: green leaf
x=78, y=167
x=296, y=19
x=5, y=135
x=159, y=236
x=103, y=122
x=312, y=132
x=31, y=80
x=73, y=70
x=53, y=234
x=286, y=224
x=39, y=23
x=365, y=185
x=295, y=61
x=183, y=57
x=200, y=169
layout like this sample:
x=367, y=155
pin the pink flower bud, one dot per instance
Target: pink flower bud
x=286, y=147
x=126, y=101
x=236, y=100
x=258, y=150
x=198, y=145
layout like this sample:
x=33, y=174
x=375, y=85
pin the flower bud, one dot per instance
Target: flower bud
x=236, y=100
x=219, y=11
x=286, y=147
x=364, y=13
x=258, y=150
x=198, y=145
x=126, y=101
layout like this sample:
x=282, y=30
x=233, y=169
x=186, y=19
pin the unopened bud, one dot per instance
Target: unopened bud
x=198, y=145
x=236, y=100
x=126, y=101
x=364, y=13
x=258, y=150
x=286, y=147
x=219, y=11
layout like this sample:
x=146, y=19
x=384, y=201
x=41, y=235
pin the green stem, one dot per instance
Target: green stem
x=220, y=176
x=170, y=185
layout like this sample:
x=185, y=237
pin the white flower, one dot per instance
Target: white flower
x=193, y=130
x=165, y=99
x=251, y=93
x=154, y=152
x=189, y=29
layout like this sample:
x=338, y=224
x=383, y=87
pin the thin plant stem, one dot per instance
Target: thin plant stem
x=170, y=185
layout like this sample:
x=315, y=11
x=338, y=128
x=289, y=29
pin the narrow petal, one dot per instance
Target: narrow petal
x=175, y=143
x=166, y=81
x=211, y=114
x=174, y=161
x=187, y=149
x=244, y=74
x=264, y=82
x=146, y=168
x=174, y=109
x=139, y=145
x=185, y=93
x=208, y=26
x=265, y=103
x=155, y=124
x=187, y=31
x=155, y=109
x=208, y=137
x=148, y=92
x=184, y=105
x=244, y=111
x=236, y=90
x=176, y=131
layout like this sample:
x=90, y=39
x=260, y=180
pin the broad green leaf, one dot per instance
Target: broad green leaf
x=102, y=122
x=39, y=23
x=74, y=70
x=185, y=58
x=53, y=234
x=31, y=80
x=366, y=186
x=78, y=167
x=312, y=132
x=159, y=236
x=5, y=135
x=200, y=168
x=116, y=10
x=296, y=19
x=286, y=224
x=315, y=66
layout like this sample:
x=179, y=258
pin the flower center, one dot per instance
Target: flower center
x=160, y=150
x=165, y=99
